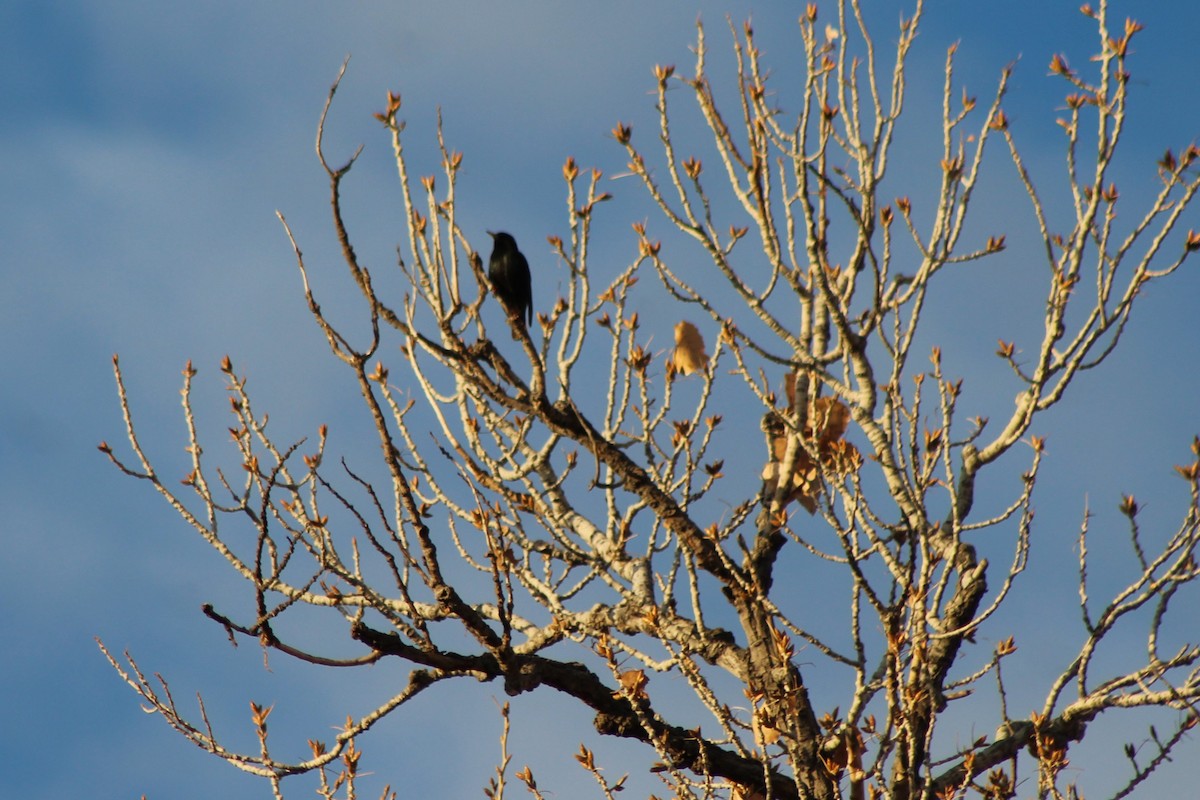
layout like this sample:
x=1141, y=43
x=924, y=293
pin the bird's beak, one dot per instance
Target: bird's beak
x=491, y=234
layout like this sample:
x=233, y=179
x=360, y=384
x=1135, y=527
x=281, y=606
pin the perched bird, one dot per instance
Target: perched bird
x=509, y=273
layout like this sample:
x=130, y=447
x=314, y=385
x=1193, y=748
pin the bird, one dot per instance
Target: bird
x=508, y=272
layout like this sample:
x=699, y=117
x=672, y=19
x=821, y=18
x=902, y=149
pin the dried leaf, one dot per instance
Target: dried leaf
x=689, y=349
x=789, y=388
x=848, y=754
x=828, y=420
x=634, y=682
x=765, y=725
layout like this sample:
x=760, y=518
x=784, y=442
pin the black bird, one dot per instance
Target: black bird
x=509, y=273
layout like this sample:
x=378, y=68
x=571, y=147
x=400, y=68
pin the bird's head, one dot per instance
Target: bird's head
x=502, y=240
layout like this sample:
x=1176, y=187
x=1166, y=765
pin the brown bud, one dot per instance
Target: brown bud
x=1058, y=66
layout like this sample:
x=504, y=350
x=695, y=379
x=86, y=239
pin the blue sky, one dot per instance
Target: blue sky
x=146, y=148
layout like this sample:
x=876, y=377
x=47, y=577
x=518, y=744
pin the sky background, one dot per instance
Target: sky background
x=146, y=149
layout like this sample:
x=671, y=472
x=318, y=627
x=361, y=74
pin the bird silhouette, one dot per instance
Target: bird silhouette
x=508, y=272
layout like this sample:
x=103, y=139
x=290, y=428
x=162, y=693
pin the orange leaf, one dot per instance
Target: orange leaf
x=689, y=349
x=634, y=682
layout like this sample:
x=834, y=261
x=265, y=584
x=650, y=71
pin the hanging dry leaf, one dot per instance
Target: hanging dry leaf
x=767, y=731
x=689, y=349
x=847, y=754
x=634, y=682
x=828, y=419
x=766, y=726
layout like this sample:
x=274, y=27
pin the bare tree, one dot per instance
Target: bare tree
x=571, y=489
